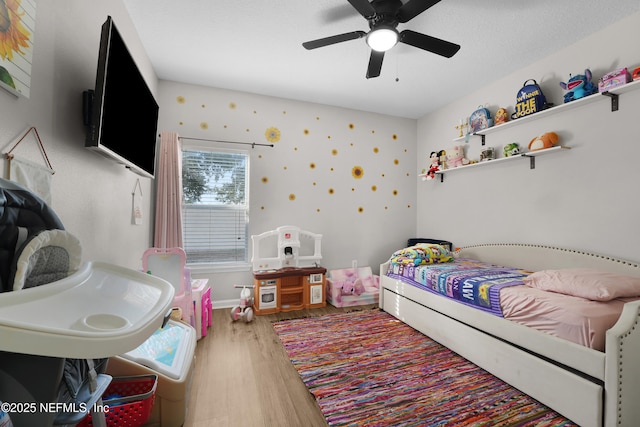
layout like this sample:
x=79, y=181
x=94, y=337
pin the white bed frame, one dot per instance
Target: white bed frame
x=589, y=387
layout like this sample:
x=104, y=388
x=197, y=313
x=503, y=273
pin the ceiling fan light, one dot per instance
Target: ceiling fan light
x=382, y=39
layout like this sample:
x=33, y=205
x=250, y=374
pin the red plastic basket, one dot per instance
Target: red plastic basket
x=130, y=401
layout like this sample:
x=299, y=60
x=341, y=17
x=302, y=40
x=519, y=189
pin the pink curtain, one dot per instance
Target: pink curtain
x=168, y=228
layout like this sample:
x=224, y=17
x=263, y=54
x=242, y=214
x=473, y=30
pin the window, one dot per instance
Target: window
x=215, y=210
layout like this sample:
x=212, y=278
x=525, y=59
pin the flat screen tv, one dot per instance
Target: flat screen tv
x=121, y=113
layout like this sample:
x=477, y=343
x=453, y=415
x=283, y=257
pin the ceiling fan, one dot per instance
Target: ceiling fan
x=384, y=16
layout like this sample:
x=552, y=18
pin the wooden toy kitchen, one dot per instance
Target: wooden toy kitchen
x=286, y=271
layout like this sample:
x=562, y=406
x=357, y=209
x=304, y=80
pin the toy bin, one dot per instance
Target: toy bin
x=129, y=399
x=170, y=354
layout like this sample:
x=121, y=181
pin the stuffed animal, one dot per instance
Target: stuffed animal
x=578, y=86
x=511, y=149
x=353, y=288
x=343, y=288
x=455, y=157
x=546, y=140
x=501, y=116
x=434, y=166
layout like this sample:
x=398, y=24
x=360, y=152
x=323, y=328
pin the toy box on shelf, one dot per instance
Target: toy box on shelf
x=614, y=79
x=352, y=286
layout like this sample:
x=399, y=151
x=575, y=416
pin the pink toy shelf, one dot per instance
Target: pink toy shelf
x=201, y=293
x=352, y=286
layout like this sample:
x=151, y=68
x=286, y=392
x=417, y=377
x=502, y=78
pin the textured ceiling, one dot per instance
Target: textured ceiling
x=256, y=46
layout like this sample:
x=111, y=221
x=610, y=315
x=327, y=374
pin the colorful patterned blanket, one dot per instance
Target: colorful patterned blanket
x=469, y=281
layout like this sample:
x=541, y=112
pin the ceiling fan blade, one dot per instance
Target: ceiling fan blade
x=413, y=8
x=375, y=64
x=339, y=13
x=428, y=43
x=333, y=40
x=363, y=7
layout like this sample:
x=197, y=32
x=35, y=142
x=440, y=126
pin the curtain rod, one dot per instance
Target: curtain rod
x=252, y=144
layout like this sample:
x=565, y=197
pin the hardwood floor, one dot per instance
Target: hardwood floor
x=243, y=376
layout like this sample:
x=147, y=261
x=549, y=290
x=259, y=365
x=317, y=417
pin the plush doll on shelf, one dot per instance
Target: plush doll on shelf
x=455, y=157
x=434, y=166
x=546, y=140
x=501, y=116
x=578, y=86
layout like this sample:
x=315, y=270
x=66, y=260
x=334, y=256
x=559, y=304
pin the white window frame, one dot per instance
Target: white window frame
x=228, y=266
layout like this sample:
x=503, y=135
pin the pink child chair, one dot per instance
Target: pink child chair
x=170, y=264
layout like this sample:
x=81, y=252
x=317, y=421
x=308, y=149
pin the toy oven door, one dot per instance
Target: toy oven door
x=268, y=296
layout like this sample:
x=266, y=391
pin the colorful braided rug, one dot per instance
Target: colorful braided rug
x=366, y=368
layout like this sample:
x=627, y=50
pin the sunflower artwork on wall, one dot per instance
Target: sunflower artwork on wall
x=272, y=134
x=17, y=25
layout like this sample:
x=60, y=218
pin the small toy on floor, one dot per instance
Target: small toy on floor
x=243, y=311
x=176, y=314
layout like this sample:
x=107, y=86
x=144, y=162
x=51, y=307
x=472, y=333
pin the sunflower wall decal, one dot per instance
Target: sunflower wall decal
x=17, y=24
x=272, y=134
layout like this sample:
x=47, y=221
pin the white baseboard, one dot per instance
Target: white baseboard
x=228, y=303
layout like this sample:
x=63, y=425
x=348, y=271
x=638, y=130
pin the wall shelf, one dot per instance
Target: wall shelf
x=612, y=94
x=531, y=155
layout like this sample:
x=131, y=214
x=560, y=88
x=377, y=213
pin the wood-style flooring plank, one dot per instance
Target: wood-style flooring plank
x=243, y=376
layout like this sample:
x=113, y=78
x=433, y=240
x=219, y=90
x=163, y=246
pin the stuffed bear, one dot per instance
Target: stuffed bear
x=455, y=157
x=546, y=140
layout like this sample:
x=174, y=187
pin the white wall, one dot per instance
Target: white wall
x=91, y=195
x=363, y=219
x=583, y=198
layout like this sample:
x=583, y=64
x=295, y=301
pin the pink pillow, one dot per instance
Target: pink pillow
x=587, y=283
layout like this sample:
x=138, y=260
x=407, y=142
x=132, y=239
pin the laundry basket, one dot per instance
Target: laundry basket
x=129, y=399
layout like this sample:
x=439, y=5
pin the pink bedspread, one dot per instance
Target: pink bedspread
x=572, y=318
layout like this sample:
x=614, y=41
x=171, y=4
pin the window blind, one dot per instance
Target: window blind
x=215, y=212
